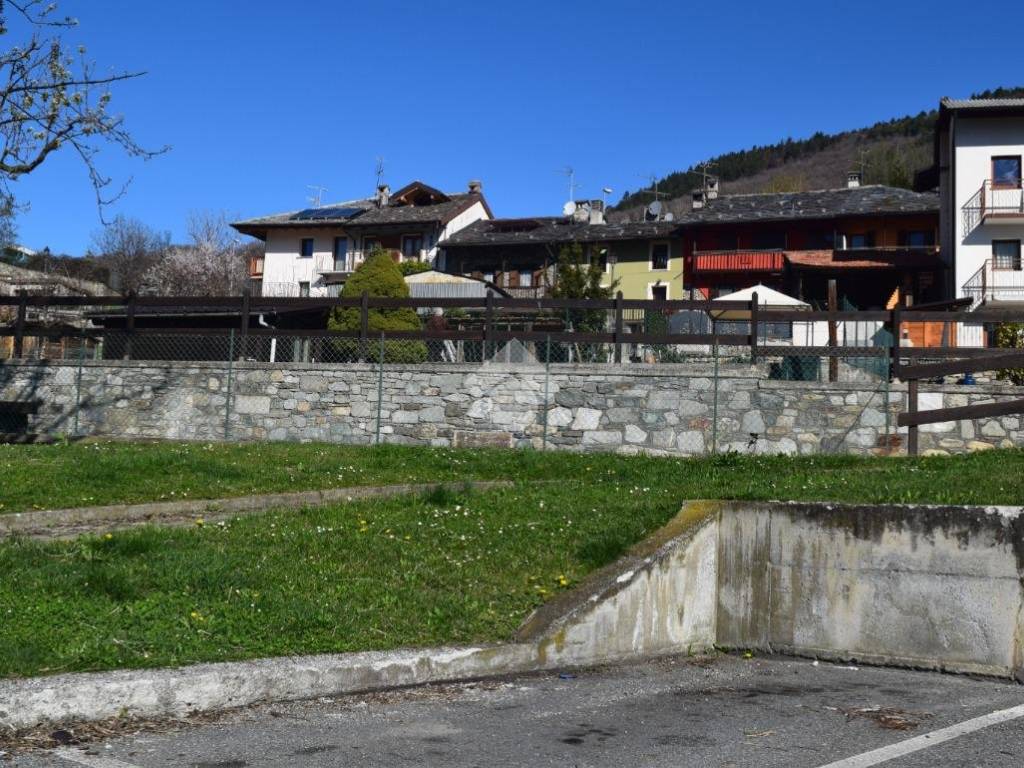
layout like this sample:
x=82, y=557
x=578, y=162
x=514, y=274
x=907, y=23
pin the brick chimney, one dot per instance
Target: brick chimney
x=476, y=187
x=383, y=195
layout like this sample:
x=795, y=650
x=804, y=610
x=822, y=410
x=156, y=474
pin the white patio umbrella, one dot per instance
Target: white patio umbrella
x=767, y=298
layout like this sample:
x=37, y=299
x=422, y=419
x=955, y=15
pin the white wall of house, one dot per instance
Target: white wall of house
x=475, y=212
x=283, y=265
x=977, y=141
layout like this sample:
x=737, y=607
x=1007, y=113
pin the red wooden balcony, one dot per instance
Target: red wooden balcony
x=738, y=261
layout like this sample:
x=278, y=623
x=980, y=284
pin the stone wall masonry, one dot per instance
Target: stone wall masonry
x=663, y=409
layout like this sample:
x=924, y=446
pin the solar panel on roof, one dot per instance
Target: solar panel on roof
x=329, y=212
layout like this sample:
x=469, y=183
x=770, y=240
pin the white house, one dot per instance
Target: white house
x=311, y=252
x=979, y=147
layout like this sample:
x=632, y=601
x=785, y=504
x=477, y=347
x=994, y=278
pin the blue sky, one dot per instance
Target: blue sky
x=259, y=99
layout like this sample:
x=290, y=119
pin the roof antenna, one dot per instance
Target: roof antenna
x=317, y=195
x=569, y=172
x=379, y=171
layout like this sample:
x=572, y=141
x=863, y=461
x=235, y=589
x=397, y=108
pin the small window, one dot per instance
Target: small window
x=860, y=240
x=306, y=247
x=1006, y=171
x=340, y=254
x=659, y=292
x=489, y=277
x=411, y=246
x=304, y=290
x=659, y=255
x=1006, y=254
x=525, y=278
x=370, y=244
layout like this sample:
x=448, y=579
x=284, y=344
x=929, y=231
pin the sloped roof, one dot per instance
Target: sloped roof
x=982, y=103
x=365, y=212
x=869, y=200
x=553, y=229
x=19, y=277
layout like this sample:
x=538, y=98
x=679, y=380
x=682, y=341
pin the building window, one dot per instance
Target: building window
x=369, y=245
x=340, y=254
x=489, y=277
x=659, y=255
x=304, y=290
x=1006, y=254
x=525, y=278
x=860, y=240
x=1006, y=171
x=411, y=246
x=306, y=247
x=659, y=292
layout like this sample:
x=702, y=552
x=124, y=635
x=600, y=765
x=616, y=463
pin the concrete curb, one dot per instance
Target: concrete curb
x=211, y=687
x=76, y=520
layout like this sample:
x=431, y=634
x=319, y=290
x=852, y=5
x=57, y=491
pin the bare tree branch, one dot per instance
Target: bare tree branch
x=51, y=100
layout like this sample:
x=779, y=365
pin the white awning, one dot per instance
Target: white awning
x=767, y=298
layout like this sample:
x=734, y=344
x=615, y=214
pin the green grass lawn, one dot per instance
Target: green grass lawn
x=415, y=570
x=88, y=473
x=418, y=570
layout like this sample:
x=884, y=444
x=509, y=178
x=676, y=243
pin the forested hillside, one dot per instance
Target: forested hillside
x=889, y=152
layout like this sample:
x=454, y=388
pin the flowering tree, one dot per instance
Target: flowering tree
x=52, y=99
x=213, y=263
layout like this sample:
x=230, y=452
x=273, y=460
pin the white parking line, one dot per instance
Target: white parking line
x=884, y=754
x=92, y=761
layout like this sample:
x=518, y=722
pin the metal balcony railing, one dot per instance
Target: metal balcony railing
x=995, y=282
x=296, y=290
x=993, y=201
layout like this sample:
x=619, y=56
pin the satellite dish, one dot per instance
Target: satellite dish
x=569, y=208
x=654, y=208
x=670, y=216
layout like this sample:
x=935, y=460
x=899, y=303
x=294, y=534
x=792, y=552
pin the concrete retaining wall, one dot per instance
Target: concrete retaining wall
x=664, y=409
x=927, y=587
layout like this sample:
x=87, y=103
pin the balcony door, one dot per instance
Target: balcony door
x=341, y=254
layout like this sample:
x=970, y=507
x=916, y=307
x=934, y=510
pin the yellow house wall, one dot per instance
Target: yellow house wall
x=631, y=266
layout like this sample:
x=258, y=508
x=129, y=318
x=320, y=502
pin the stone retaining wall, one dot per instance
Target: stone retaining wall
x=664, y=409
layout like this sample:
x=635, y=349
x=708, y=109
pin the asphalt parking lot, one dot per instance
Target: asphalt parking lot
x=727, y=712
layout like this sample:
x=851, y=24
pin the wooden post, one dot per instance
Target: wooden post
x=364, y=325
x=243, y=347
x=833, y=331
x=488, y=323
x=912, y=409
x=129, y=326
x=618, y=327
x=895, y=348
x=753, y=327
x=19, y=324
